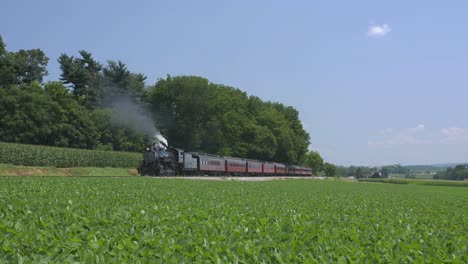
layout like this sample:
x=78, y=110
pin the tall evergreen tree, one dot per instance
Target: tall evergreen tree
x=83, y=75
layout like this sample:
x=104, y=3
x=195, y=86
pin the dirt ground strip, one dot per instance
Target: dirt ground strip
x=230, y=178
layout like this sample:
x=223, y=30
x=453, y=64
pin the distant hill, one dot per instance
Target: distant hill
x=448, y=165
x=432, y=167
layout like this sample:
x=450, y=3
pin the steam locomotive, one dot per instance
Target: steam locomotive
x=161, y=160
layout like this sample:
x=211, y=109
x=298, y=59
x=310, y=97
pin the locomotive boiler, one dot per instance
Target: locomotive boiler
x=161, y=160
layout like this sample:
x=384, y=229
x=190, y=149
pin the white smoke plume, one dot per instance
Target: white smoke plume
x=132, y=114
x=160, y=140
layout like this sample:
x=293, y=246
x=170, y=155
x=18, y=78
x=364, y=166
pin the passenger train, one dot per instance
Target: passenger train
x=167, y=161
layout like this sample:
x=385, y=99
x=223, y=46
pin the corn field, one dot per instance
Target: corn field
x=32, y=155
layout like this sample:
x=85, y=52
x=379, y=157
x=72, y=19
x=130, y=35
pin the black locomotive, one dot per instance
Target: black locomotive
x=161, y=161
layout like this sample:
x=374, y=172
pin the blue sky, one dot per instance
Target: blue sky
x=375, y=82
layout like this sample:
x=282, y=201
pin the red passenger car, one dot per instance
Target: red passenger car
x=236, y=166
x=254, y=167
x=307, y=172
x=295, y=170
x=280, y=169
x=210, y=164
x=268, y=168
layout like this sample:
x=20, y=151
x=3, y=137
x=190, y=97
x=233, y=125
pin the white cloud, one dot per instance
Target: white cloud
x=409, y=136
x=419, y=135
x=378, y=30
x=453, y=131
x=454, y=135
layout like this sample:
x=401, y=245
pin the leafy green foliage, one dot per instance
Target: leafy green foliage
x=83, y=76
x=118, y=81
x=2, y=47
x=201, y=116
x=329, y=169
x=96, y=86
x=32, y=155
x=314, y=161
x=49, y=116
x=136, y=220
x=21, y=67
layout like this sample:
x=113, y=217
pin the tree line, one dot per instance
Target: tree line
x=459, y=172
x=367, y=172
x=81, y=110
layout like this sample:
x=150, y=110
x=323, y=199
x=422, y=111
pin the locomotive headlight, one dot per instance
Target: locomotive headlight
x=147, y=148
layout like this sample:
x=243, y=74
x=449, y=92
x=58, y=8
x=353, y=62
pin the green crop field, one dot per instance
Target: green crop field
x=148, y=220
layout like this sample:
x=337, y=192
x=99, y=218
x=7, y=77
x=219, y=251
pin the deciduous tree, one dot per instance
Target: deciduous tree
x=329, y=169
x=313, y=160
